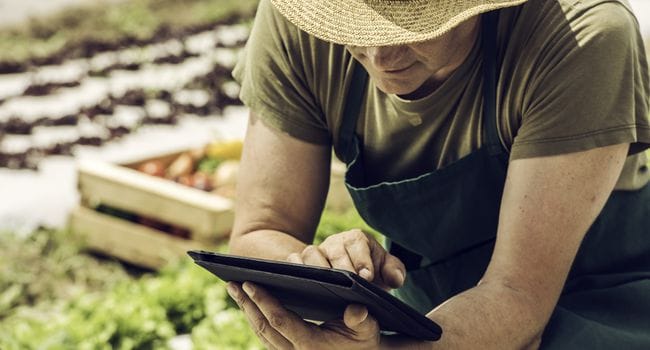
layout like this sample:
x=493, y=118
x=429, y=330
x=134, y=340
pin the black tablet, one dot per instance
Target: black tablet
x=320, y=294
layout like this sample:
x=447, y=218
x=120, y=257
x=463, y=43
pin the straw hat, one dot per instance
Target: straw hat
x=382, y=22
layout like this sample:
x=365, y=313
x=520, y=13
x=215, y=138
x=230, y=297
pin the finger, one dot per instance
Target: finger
x=354, y=314
x=338, y=256
x=267, y=334
x=285, y=322
x=295, y=258
x=356, y=318
x=390, y=271
x=359, y=252
x=311, y=255
x=393, y=271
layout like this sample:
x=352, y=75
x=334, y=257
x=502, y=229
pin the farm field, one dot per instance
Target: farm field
x=156, y=82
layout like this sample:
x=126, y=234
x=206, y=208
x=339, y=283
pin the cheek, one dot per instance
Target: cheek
x=359, y=54
x=355, y=51
x=422, y=55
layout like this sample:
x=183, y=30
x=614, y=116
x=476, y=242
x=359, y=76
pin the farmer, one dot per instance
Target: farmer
x=497, y=144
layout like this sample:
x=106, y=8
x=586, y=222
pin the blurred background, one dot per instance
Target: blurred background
x=120, y=135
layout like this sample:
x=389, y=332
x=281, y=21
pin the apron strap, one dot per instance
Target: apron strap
x=490, y=129
x=352, y=110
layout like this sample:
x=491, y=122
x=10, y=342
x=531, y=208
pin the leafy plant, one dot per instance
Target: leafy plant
x=124, y=312
x=48, y=266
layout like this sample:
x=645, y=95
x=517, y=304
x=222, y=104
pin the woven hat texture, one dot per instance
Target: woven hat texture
x=383, y=22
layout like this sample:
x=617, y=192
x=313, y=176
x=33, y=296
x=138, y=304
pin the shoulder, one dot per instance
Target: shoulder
x=558, y=21
x=285, y=35
x=573, y=75
x=287, y=75
x=545, y=36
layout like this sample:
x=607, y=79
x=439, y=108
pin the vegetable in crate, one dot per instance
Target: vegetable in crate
x=184, y=164
x=181, y=166
x=225, y=150
x=226, y=173
x=153, y=167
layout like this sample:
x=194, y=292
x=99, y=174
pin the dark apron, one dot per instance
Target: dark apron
x=443, y=226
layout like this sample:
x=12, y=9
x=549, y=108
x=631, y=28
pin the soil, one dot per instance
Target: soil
x=90, y=47
x=47, y=88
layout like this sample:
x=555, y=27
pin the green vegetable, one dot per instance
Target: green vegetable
x=209, y=165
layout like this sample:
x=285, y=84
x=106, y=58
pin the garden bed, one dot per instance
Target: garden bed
x=65, y=298
x=84, y=31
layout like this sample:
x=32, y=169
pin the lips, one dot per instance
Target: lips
x=399, y=70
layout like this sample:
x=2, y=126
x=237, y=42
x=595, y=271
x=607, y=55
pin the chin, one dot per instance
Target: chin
x=396, y=89
x=400, y=85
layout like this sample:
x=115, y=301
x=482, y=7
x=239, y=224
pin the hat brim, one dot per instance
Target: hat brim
x=382, y=22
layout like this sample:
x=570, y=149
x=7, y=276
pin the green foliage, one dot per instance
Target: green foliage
x=118, y=312
x=226, y=330
x=209, y=165
x=125, y=318
x=48, y=266
x=138, y=314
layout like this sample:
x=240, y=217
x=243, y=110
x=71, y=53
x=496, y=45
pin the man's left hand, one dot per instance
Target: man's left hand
x=279, y=328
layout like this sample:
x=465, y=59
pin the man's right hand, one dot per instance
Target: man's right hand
x=358, y=252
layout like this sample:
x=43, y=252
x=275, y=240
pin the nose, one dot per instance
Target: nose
x=386, y=57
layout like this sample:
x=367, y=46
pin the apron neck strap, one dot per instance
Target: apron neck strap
x=358, y=85
x=489, y=42
x=352, y=109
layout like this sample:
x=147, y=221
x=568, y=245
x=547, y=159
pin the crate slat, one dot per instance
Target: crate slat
x=127, y=241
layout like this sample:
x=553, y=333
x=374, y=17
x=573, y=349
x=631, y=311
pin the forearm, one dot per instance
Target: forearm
x=490, y=316
x=266, y=244
x=484, y=317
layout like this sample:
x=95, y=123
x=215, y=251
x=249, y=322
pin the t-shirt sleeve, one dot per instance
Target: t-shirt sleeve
x=274, y=82
x=589, y=88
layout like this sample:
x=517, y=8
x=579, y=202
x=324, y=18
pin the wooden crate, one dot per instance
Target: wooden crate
x=207, y=216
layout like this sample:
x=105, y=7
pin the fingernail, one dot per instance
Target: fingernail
x=248, y=288
x=400, y=276
x=365, y=273
x=364, y=314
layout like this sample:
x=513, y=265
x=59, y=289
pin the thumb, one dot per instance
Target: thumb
x=356, y=318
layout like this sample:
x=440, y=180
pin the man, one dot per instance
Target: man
x=498, y=144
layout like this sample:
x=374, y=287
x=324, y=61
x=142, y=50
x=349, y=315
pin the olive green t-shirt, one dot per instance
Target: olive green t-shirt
x=572, y=76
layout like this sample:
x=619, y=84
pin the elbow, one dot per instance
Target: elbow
x=534, y=342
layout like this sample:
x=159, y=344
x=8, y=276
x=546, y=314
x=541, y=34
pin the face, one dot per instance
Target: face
x=420, y=67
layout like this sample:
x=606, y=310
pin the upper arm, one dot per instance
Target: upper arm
x=548, y=205
x=285, y=164
x=282, y=184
